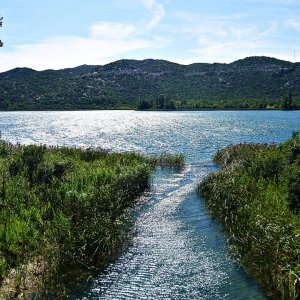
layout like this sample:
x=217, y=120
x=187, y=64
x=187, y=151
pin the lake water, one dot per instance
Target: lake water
x=177, y=252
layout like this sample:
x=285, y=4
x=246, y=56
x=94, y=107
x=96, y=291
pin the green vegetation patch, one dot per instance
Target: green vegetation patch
x=256, y=196
x=64, y=209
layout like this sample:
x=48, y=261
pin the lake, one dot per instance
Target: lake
x=177, y=251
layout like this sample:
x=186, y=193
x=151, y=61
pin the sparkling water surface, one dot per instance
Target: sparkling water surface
x=177, y=252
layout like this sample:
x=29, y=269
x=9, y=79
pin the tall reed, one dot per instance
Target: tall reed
x=256, y=196
x=64, y=211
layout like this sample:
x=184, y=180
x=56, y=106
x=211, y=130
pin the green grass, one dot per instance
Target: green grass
x=69, y=208
x=256, y=196
x=166, y=160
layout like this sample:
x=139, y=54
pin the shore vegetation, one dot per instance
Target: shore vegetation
x=256, y=197
x=65, y=211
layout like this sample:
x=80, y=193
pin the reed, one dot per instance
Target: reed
x=64, y=211
x=256, y=196
x=167, y=160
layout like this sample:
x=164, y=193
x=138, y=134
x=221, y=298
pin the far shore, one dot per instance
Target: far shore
x=154, y=110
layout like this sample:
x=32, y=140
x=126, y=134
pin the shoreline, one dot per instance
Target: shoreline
x=154, y=110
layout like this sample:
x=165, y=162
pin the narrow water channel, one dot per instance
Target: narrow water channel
x=178, y=251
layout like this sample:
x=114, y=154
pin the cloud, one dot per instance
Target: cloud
x=294, y=24
x=106, y=42
x=157, y=10
x=225, y=38
x=112, y=30
x=196, y=37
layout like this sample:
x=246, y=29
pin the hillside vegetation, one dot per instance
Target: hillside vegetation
x=254, y=82
x=256, y=196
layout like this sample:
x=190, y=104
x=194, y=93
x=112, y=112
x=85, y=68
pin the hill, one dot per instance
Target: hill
x=253, y=81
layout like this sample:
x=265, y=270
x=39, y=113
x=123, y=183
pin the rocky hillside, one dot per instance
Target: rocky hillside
x=125, y=83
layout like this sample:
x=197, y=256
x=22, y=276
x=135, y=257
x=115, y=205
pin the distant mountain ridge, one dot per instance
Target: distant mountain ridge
x=125, y=83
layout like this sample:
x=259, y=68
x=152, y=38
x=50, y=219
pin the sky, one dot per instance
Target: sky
x=55, y=34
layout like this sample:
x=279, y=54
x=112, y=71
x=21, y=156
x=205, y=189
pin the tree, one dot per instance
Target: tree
x=170, y=105
x=177, y=104
x=161, y=101
x=287, y=102
x=144, y=105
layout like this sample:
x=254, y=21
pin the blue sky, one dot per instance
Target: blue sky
x=54, y=34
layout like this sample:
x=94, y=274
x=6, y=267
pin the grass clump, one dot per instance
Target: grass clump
x=64, y=209
x=168, y=160
x=256, y=196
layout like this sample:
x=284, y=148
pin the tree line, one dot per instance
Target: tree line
x=166, y=102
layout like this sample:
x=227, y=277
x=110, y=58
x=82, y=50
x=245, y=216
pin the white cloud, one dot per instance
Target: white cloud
x=107, y=41
x=69, y=51
x=198, y=37
x=225, y=52
x=294, y=24
x=157, y=10
x=112, y=30
x=224, y=39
